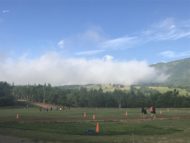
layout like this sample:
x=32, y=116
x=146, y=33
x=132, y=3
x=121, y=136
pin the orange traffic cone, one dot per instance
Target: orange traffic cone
x=97, y=128
x=94, y=117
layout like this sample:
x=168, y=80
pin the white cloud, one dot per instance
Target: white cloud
x=94, y=34
x=61, y=44
x=121, y=42
x=168, y=29
x=174, y=55
x=168, y=54
x=94, y=40
x=5, y=11
x=108, y=58
x=57, y=70
x=85, y=43
x=89, y=53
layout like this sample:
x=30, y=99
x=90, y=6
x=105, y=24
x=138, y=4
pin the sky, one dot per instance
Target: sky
x=91, y=41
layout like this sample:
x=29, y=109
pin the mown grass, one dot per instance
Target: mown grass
x=80, y=128
x=172, y=126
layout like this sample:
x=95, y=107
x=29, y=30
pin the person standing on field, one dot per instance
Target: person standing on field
x=153, y=111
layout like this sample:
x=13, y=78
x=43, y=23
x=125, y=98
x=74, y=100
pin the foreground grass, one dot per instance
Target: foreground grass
x=172, y=126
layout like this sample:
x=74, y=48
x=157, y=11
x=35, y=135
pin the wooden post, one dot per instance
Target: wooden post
x=126, y=114
x=84, y=114
x=17, y=116
x=94, y=117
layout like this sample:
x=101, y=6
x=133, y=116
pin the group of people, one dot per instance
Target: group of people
x=51, y=108
x=45, y=109
x=151, y=109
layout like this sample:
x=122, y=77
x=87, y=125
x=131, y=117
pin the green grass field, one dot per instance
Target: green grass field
x=171, y=126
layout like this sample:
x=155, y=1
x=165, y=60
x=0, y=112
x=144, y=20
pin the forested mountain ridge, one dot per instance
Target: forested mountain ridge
x=178, y=71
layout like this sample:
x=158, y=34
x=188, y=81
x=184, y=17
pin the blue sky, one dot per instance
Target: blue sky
x=121, y=30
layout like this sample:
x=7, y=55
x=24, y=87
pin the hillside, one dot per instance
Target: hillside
x=104, y=87
x=179, y=78
x=178, y=71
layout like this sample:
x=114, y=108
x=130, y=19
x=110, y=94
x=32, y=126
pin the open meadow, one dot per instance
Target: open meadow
x=94, y=71
x=70, y=125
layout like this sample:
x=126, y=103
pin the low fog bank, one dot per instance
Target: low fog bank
x=57, y=70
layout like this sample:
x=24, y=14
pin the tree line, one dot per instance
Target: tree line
x=83, y=97
x=6, y=96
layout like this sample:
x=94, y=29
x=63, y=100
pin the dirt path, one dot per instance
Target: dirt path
x=44, y=105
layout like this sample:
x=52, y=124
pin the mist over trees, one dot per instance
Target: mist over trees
x=83, y=97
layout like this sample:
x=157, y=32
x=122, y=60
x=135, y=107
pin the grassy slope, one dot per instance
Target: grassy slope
x=104, y=87
x=163, y=89
x=178, y=71
x=111, y=88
